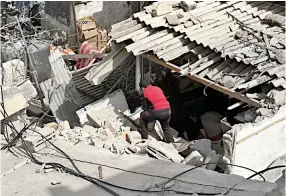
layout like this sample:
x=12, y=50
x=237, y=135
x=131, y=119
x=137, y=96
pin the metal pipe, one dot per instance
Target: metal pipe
x=137, y=73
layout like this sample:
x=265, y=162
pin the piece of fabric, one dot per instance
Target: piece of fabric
x=163, y=116
x=156, y=96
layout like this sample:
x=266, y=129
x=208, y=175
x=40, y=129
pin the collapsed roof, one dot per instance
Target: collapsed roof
x=235, y=46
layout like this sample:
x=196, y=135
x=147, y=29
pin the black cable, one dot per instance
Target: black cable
x=173, y=178
x=94, y=180
x=267, y=169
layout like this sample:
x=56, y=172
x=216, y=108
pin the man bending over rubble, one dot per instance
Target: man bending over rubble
x=161, y=110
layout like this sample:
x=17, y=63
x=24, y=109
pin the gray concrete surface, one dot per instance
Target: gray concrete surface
x=25, y=181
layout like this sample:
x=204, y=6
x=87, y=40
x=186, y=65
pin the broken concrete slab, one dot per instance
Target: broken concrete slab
x=97, y=74
x=203, y=146
x=115, y=100
x=167, y=150
x=97, y=118
x=194, y=158
x=13, y=105
x=26, y=88
x=173, y=20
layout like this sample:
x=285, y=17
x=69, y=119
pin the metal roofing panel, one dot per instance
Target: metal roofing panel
x=208, y=26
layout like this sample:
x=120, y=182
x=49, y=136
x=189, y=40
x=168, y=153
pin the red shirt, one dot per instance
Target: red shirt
x=156, y=96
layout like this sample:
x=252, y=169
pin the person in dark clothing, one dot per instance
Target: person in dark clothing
x=161, y=110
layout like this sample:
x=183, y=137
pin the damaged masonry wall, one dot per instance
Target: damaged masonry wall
x=255, y=145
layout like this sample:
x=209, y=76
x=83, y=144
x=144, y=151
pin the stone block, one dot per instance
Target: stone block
x=193, y=158
x=161, y=9
x=173, y=20
x=63, y=125
x=167, y=150
x=188, y=5
x=263, y=112
x=203, y=146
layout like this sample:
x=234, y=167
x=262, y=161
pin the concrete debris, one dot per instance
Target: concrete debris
x=63, y=125
x=263, y=112
x=113, y=125
x=188, y=5
x=165, y=150
x=194, y=158
x=10, y=50
x=161, y=9
x=242, y=34
x=277, y=97
x=35, y=142
x=256, y=95
x=135, y=136
x=247, y=116
x=52, y=125
x=280, y=56
x=274, y=20
x=13, y=105
x=14, y=72
x=228, y=81
x=173, y=20
x=105, y=108
x=203, y=146
x=212, y=158
x=87, y=134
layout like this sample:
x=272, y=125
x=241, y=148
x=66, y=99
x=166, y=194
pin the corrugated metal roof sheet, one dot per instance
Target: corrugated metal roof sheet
x=211, y=26
x=60, y=92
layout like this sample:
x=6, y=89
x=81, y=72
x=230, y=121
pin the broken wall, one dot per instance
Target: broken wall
x=256, y=146
x=60, y=16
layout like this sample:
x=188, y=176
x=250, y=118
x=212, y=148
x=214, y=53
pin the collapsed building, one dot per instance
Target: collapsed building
x=222, y=62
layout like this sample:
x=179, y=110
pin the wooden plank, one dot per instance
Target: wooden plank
x=204, y=81
x=260, y=130
x=79, y=56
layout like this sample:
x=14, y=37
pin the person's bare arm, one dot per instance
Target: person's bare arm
x=186, y=136
x=203, y=132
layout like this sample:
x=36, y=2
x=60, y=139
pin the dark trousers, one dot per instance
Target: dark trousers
x=163, y=116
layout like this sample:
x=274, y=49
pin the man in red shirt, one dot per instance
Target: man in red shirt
x=160, y=112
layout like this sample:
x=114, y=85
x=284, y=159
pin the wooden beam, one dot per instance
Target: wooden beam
x=261, y=129
x=79, y=56
x=204, y=81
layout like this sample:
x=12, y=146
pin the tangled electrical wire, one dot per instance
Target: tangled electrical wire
x=76, y=172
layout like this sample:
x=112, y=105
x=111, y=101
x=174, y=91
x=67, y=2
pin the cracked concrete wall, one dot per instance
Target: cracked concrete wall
x=255, y=145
